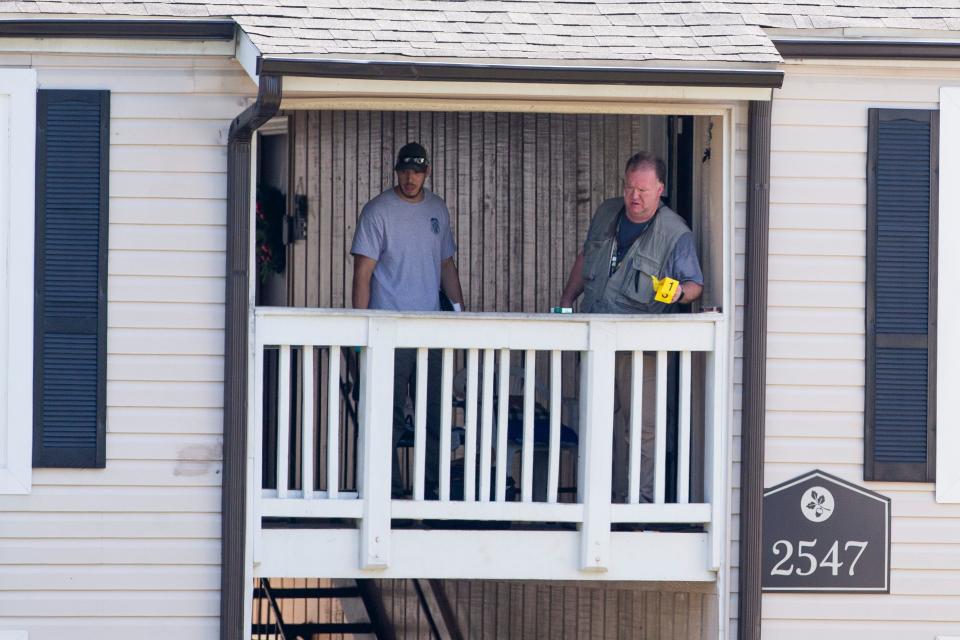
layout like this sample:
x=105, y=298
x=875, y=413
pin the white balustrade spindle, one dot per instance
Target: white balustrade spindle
x=553, y=456
x=503, y=413
x=308, y=454
x=446, y=419
x=529, y=395
x=683, y=449
x=420, y=427
x=283, y=422
x=486, y=425
x=660, y=456
x=333, y=422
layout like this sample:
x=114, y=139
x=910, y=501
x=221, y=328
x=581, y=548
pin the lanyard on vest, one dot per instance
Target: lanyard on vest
x=614, y=261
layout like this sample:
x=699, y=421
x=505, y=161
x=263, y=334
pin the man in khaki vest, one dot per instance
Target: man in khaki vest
x=631, y=239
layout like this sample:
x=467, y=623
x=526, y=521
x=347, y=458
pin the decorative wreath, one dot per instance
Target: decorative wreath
x=271, y=210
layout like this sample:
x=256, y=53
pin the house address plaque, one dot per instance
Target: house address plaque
x=821, y=533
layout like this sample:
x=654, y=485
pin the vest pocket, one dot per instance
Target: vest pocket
x=637, y=284
x=596, y=259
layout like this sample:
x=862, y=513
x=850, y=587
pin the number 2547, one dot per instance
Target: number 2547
x=805, y=557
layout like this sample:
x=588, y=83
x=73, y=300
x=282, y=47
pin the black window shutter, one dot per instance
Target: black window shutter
x=71, y=279
x=901, y=311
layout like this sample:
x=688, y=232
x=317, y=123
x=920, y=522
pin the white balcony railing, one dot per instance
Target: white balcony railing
x=345, y=528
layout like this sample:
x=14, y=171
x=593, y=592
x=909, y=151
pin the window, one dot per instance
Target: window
x=17, y=143
x=901, y=363
x=71, y=296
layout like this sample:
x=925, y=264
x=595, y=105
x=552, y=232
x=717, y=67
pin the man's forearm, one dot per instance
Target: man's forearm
x=361, y=295
x=450, y=282
x=574, y=286
x=689, y=291
x=362, y=274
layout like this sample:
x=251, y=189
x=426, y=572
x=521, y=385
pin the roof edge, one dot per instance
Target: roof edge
x=120, y=29
x=867, y=49
x=470, y=72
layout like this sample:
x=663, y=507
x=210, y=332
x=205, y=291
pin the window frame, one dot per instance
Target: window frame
x=16, y=284
x=948, y=292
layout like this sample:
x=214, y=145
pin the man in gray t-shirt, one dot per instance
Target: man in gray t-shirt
x=410, y=244
x=402, y=257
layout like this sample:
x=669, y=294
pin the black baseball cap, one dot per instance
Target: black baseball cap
x=412, y=156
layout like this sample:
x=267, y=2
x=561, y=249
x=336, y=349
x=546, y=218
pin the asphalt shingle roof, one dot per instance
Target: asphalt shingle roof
x=563, y=30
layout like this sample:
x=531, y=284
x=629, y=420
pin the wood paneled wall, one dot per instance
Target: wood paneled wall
x=504, y=610
x=521, y=189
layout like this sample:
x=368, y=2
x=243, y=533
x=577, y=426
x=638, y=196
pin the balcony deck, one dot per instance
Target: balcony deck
x=308, y=517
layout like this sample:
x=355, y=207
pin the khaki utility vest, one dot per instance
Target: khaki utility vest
x=629, y=289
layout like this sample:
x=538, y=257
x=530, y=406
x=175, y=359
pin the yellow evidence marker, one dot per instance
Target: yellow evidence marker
x=665, y=289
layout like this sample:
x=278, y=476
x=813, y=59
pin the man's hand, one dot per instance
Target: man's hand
x=362, y=273
x=450, y=282
x=574, y=286
x=689, y=291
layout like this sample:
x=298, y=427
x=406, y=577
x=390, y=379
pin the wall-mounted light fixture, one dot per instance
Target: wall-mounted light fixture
x=296, y=227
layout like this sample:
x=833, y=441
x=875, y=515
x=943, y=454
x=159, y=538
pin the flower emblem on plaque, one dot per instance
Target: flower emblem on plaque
x=816, y=504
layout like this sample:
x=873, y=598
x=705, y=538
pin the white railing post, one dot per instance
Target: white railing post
x=596, y=448
x=254, y=460
x=376, y=442
x=716, y=443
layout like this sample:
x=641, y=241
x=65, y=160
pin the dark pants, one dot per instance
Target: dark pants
x=404, y=386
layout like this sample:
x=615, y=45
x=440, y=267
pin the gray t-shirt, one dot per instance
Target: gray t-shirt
x=408, y=241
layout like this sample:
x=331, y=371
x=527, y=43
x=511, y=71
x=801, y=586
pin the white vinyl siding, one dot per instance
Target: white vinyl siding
x=815, y=348
x=133, y=550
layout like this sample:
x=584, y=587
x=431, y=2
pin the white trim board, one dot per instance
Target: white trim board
x=18, y=95
x=315, y=90
x=948, y=301
x=485, y=555
x=118, y=46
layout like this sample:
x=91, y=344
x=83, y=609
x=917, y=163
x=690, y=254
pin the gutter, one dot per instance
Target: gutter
x=233, y=579
x=126, y=29
x=868, y=49
x=475, y=72
x=753, y=420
